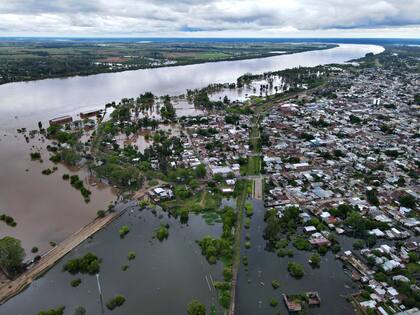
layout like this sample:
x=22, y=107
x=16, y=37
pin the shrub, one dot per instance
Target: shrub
x=35, y=156
x=80, y=310
x=315, y=260
x=75, y=282
x=196, y=308
x=123, y=231
x=359, y=244
x=101, y=213
x=89, y=263
x=301, y=243
x=274, y=303
x=248, y=209
x=322, y=250
x=131, y=255
x=10, y=221
x=56, y=311
x=296, y=270
x=336, y=248
x=46, y=172
x=34, y=250
x=275, y=284
x=117, y=301
x=227, y=274
x=162, y=233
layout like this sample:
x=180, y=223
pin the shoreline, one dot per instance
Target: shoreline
x=266, y=55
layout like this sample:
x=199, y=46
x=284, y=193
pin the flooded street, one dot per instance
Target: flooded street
x=165, y=276
x=254, y=287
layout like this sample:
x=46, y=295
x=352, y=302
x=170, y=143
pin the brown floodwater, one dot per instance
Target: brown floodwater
x=45, y=207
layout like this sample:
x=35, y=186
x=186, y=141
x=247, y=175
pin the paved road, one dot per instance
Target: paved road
x=258, y=188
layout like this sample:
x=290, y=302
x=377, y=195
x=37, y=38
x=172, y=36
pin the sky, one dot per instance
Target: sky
x=211, y=18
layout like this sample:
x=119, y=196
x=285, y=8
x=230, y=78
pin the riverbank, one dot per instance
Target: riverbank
x=23, y=104
x=84, y=59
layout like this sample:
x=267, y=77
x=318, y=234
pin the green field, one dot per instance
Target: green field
x=33, y=59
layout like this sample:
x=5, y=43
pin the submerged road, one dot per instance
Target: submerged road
x=14, y=287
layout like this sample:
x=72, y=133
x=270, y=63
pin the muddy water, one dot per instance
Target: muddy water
x=46, y=208
x=162, y=279
x=252, y=89
x=25, y=103
x=144, y=138
x=255, y=292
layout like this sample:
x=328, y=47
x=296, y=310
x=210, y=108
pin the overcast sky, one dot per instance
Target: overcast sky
x=201, y=18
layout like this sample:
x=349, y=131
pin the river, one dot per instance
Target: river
x=46, y=208
x=25, y=103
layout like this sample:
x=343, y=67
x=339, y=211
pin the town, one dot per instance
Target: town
x=331, y=151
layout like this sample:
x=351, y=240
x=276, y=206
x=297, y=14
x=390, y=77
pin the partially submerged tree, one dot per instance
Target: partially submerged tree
x=11, y=255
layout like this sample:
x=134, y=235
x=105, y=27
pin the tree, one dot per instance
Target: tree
x=372, y=197
x=11, y=254
x=200, y=171
x=80, y=310
x=407, y=201
x=56, y=311
x=196, y=308
x=296, y=270
x=117, y=301
x=315, y=260
x=168, y=111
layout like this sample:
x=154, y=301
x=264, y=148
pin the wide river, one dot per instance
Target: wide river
x=25, y=103
x=46, y=208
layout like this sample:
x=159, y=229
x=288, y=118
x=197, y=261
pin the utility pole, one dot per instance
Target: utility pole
x=100, y=293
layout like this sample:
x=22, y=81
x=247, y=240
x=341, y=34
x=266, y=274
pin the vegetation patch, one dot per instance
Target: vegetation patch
x=89, y=263
x=162, y=232
x=296, y=270
x=75, y=282
x=55, y=311
x=8, y=220
x=115, y=302
x=123, y=231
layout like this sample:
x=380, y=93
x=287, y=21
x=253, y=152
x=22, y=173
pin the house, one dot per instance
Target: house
x=317, y=239
x=309, y=229
x=61, y=120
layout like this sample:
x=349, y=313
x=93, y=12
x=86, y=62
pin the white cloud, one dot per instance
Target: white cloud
x=210, y=17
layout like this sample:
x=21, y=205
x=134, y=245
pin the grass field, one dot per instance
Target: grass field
x=48, y=58
x=203, y=201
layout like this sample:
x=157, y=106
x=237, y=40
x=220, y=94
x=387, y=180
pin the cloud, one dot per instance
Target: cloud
x=207, y=17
